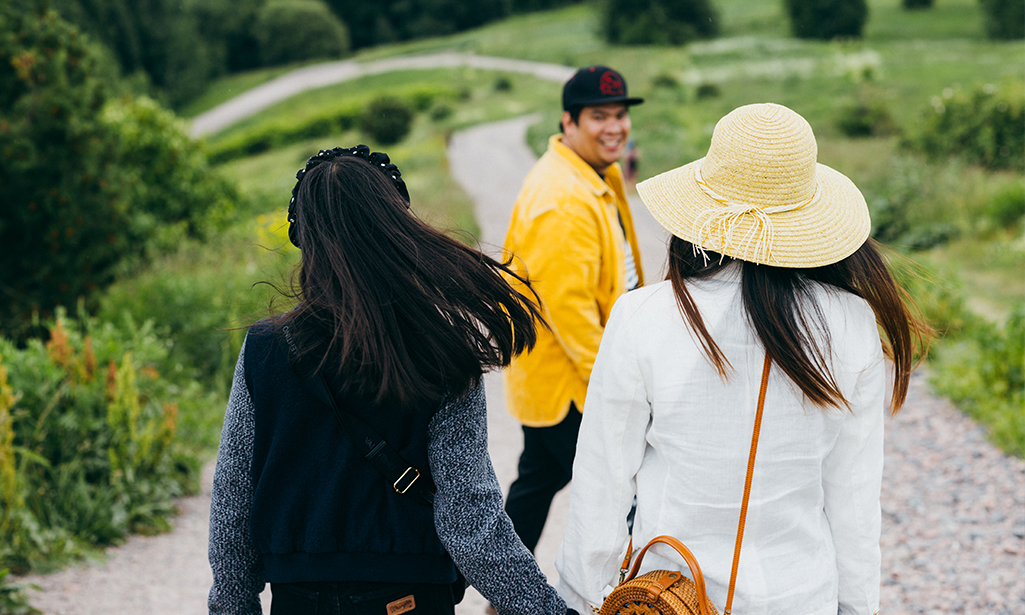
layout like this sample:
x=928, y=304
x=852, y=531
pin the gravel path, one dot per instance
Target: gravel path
x=953, y=505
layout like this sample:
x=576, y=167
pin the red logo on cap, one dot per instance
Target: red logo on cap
x=610, y=84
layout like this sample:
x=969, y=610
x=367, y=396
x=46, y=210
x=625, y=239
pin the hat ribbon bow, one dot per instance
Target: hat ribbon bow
x=723, y=221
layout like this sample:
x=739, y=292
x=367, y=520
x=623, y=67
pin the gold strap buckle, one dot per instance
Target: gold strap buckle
x=404, y=489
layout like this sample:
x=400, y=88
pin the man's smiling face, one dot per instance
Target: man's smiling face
x=599, y=135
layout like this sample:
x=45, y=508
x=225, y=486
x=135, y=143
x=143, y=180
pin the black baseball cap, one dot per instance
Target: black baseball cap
x=595, y=85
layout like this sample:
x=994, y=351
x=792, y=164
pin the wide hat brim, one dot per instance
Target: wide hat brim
x=827, y=230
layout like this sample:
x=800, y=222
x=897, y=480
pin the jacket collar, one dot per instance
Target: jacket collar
x=586, y=171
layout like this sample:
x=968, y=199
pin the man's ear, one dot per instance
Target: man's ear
x=567, y=120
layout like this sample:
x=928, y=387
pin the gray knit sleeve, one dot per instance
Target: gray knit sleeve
x=470, y=519
x=237, y=567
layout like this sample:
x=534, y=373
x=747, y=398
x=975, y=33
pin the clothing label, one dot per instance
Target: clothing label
x=402, y=605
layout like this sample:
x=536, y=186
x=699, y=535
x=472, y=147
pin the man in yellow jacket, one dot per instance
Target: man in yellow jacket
x=571, y=232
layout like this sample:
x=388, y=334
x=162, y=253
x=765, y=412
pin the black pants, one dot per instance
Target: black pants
x=546, y=466
x=361, y=599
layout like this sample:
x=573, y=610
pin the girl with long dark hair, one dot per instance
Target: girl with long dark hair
x=353, y=472
x=770, y=268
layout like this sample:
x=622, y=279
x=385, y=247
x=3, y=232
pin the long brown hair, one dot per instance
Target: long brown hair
x=781, y=307
x=397, y=310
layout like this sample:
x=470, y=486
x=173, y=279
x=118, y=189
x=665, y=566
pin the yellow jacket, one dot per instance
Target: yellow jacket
x=565, y=235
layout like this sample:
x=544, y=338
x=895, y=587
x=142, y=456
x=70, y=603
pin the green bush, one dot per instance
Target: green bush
x=913, y=5
x=984, y=125
x=297, y=30
x=1005, y=19
x=827, y=19
x=1007, y=207
x=982, y=371
x=659, y=22
x=85, y=180
x=271, y=135
x=87, y=428
x=866, y=117
x=386, y=120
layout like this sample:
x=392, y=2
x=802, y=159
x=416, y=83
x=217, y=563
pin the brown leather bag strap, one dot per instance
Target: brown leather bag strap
x=692, y=563
x=747, y=484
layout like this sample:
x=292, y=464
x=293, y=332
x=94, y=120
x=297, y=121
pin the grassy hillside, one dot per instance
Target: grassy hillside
x=906, y=62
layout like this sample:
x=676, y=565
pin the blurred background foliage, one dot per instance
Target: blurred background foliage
x=158, y=244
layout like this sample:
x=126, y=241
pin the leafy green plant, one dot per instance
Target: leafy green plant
x=1007, y=207
x=659, y=22
x=866, y=115
x=984, y=125
x=827, y=19
x=86, y=440
x=386, y=120
x=982, y=370
x=913, y=5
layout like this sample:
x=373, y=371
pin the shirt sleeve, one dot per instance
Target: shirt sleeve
x=610, y=449
x=469, y=516
x=852, y=477
x=237, y=567
x=565, y=270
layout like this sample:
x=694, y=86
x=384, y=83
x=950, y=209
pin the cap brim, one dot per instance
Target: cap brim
x=609, y=100
x=826, y=231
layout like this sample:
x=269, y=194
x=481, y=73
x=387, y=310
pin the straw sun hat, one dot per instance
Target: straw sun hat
x=760, y=195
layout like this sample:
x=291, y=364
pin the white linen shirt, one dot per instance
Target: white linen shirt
x=660, y=423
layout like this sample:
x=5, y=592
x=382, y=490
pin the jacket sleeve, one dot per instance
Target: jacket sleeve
x=565, y=267
x=852, y=477
x=237, y=567
x=470, y=519
x=610, y=449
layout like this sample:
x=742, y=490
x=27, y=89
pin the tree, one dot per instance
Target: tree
x=297, y=30
x=1005, y=19
x=660, y=22
x=827, y=19
x=87, y=180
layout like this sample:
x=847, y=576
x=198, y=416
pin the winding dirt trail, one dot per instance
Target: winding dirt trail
x=953, y=505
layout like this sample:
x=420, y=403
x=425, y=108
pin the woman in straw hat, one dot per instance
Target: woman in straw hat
x=770, y=267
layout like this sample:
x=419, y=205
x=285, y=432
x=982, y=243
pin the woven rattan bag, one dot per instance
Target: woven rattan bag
x=667, y=592
x=661, y=592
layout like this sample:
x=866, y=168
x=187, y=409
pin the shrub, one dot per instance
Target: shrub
x=982, y=370
x=865, y=117
x=441, y=111
x=1005, y=19
x=827, y=19
x=707, y=90
x=1007, y=207
x=85, y=180
x=985, y=126
x=297, y=30
x=503, y=83
x=660, y=22
x=387, y=120
x=665, y=80
x=88, y=439
x=913, y=5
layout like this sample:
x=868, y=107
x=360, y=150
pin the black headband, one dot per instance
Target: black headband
x=379, y=160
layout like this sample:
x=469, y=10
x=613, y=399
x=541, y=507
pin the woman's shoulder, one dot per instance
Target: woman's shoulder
x=643, y=300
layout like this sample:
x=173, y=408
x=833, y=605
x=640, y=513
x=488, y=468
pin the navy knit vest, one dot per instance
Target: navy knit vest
x=320, y=511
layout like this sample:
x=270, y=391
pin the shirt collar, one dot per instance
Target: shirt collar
x=586, y=171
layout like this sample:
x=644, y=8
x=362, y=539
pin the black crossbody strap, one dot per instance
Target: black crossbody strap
x=404, y=478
